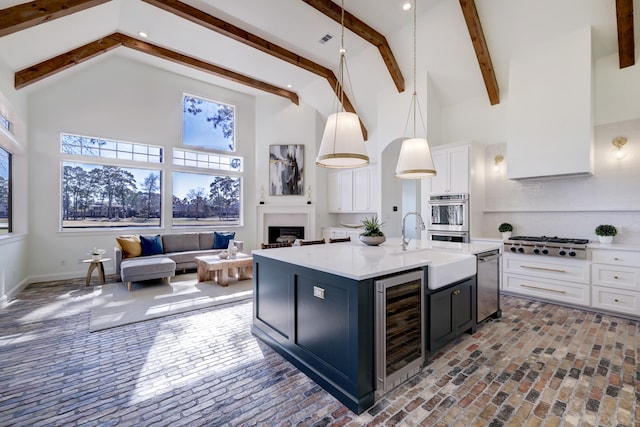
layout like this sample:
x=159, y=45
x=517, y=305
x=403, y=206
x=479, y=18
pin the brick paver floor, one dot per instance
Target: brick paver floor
x=540, y=364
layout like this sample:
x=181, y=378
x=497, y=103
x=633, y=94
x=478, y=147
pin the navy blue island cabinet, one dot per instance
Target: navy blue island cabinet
x=322, y=323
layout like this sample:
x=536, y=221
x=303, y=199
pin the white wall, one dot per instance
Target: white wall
x=115, y=98
x=14, y=269
x=279, y=122
x=571, y=207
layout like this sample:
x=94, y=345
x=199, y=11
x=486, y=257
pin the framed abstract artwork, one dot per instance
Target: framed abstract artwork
x=286, y=170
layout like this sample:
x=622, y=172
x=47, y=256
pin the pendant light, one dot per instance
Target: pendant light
x=414, y=161
x=342, y=144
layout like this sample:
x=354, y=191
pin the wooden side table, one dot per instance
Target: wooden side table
x=93, y=264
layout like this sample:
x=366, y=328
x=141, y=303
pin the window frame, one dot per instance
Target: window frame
x=205, y=147
x=97, y=161
x=9, y=227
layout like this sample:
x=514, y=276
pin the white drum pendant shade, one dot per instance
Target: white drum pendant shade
x=342, y=143
x=415, y=160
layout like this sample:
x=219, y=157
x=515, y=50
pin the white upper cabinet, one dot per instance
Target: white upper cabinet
x=351, y=190
x=452, y=168
x=549, y=115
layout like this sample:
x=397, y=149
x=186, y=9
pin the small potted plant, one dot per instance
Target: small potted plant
x=505, y=228
x=96, y=254
x=605, y=233
x=372, y=234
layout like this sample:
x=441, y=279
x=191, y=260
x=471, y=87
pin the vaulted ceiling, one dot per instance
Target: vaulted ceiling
x=273, y=46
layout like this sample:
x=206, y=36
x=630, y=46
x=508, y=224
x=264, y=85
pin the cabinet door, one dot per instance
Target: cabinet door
x=440, y=182
x=346, y=191
x=464, y=307
x=458, y=163
x=361, y=190
x=441, y=330
x=333, y=192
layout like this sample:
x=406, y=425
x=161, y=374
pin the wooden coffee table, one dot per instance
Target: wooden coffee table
x=214, y=268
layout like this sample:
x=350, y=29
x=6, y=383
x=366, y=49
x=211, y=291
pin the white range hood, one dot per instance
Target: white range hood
x=550, y=111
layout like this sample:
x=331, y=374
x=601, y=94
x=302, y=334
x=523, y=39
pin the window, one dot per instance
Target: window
x=206, y=200
x=94, y=147
x=108, y=193
x=206, y=160
x=5, y=192
x=5, y=123
x=208, y=124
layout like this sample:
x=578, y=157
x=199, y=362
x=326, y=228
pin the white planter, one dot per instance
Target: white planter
x=97, y=257
x=506, y=235
x=372, y=240
x=605, y=240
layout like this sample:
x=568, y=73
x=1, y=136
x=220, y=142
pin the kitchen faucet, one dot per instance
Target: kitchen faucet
x=421, y=225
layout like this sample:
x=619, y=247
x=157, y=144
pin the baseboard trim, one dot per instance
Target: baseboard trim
x=6, y=299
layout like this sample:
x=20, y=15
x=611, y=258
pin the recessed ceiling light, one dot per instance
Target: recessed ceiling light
x=143, y=34
x=406, y=6
x=289, y=86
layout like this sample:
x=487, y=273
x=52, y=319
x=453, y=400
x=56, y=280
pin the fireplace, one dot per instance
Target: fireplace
x=286, y=233
x=303, y=216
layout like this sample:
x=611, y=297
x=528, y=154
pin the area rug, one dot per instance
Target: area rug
x=114, y=306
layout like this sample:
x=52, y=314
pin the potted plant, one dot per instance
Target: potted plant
x=505, y=228
x=96, y=254
x=605, y=233
x=372, y=234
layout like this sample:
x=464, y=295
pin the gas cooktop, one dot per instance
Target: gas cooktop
x=547, y=239
x=547, y=246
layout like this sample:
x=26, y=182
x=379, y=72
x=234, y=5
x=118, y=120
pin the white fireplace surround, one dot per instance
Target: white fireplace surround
x=284, y=215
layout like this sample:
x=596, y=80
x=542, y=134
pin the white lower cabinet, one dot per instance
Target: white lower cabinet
x=615, y=281
x=555, y=279
x=556, y=290
x=609, y=282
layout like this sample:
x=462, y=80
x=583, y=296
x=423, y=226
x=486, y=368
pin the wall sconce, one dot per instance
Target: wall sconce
x=498, y=159
x=619, y=152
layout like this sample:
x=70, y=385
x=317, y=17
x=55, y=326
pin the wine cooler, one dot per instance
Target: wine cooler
x=399, y=329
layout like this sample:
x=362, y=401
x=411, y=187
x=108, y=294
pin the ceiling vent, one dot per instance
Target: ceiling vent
x=325, y=38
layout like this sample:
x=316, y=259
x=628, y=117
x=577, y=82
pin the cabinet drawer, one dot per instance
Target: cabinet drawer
x=574, y=293
x=616, y=300
x=627, y=278
x=574, y=270
x=604, y=256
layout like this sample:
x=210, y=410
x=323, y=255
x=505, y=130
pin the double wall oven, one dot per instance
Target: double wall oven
x=449, y=218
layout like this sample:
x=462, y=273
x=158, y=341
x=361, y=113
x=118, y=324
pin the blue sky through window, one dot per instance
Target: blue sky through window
x=198, y=127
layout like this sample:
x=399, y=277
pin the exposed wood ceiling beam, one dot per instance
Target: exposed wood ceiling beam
x=212, y=23
x=626, y=44
x=27, y=15
x=482, y=51
x=76, y=56
x=358, y=27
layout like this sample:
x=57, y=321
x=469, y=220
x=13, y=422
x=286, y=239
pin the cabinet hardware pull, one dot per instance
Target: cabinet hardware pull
x=542, y=268
x=544, y=289
x=615, y=277
x=616, y=259
x=616, y=300
x=456, y=292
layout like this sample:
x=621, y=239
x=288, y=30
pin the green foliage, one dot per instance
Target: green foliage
x=372, y=227
x=505, y=226
x=606, y=230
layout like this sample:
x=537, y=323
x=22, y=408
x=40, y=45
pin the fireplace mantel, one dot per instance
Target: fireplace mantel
x=304, y=215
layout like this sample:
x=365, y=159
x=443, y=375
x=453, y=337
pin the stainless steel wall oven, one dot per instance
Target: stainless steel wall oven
x=449, y=212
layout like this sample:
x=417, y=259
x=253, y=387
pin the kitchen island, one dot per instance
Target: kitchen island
x=315, y=305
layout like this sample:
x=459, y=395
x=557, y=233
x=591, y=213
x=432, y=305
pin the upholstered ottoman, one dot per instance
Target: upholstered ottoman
x=136, y=269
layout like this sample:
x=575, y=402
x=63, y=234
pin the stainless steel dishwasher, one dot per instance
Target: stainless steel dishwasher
x=488, y=282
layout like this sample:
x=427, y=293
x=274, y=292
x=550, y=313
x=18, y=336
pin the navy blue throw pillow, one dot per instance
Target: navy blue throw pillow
x=151, y=245
x=221, y=240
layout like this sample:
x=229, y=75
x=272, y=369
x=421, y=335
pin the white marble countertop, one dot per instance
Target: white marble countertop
x=613, y=246
x=357, y=261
